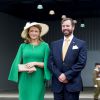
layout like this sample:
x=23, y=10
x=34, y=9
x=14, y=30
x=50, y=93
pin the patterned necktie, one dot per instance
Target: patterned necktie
x=65, y=48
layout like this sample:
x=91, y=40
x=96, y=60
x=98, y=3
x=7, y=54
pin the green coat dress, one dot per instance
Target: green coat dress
x=31, y=86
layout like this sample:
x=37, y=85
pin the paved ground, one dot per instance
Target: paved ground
x=87, y=94
x=45, y=99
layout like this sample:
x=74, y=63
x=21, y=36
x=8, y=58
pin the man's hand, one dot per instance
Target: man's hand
x=65, y=81
x=62, y=78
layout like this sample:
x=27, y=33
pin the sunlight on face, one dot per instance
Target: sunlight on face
x=34, y=33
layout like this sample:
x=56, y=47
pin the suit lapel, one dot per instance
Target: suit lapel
x=60, y=48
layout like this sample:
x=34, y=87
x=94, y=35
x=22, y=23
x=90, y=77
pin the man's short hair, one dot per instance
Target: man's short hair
x=73, y=22
x=97, y=64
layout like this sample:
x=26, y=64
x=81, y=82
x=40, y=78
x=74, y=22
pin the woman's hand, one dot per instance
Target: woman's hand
x=30, y=70
x=30, y=65
x=37, y=64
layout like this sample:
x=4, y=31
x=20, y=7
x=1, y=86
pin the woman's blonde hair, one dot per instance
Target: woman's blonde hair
x=27, y=38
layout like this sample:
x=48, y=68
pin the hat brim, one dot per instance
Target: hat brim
x=45, y=29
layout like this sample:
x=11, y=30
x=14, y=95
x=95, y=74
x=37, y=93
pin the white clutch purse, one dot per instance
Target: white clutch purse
x=23, y=68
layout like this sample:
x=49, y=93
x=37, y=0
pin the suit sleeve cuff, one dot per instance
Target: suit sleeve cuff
x=68, y=76
x=58, y=74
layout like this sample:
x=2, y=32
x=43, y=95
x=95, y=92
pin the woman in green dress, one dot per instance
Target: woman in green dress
x=33, y=56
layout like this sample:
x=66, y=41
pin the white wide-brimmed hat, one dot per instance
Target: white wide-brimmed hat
x=44, y=30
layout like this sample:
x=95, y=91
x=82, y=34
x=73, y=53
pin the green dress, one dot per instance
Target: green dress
x=31, y=86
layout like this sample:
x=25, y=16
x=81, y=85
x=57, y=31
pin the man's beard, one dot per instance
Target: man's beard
x=67, y=33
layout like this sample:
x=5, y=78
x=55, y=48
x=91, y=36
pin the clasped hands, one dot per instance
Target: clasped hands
x=28, y=67
x=31, y=67
x=62, y=78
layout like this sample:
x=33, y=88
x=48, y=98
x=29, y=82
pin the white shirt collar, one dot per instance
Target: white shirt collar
x=70, y=37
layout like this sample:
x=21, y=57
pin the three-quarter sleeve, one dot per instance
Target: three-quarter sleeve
x=47, y=74
x=13, y=75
